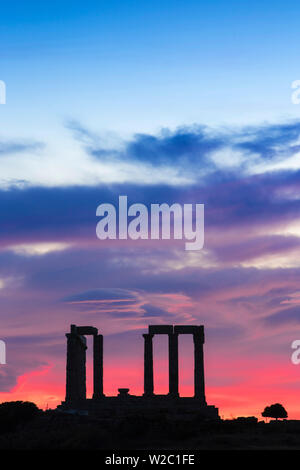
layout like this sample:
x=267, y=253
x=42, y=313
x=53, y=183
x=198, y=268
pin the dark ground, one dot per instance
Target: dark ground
x=52, y=430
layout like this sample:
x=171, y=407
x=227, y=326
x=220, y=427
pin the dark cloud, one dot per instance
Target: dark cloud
x=11, y=147
x=271, y=142
x=283, y=317
x=114, y=294
x=42, y=214
x=185, y=145
x=154, y=311
x=256, y=247
x=191, y=147
x=25, y=353
x=8, y=378
x=267, y=300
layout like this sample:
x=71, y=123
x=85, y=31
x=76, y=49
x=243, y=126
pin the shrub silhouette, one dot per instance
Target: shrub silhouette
x=274, y=411
x=13, y=413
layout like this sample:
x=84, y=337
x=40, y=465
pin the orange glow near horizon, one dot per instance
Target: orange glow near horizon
x=248, y=398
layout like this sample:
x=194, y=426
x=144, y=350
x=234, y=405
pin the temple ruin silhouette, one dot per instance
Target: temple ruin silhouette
x=124, y=402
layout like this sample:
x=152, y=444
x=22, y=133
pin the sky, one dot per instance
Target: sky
x=169, y=101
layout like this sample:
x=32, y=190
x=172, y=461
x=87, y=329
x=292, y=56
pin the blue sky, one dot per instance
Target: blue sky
x=121, y=67
x=129, y=66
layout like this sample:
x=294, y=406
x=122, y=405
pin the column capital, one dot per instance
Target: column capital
x=148, y=335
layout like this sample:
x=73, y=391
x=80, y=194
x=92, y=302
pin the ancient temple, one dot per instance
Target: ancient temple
x=124, y=402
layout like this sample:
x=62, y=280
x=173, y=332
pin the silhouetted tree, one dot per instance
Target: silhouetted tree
x=275, y=411
x=13, y=413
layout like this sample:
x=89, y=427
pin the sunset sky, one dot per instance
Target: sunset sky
x=162, y=101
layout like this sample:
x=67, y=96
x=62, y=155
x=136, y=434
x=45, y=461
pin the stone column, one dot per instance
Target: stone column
x=98, y=365
x=76, y=361
x=71, y=379
x=173, y=364
x=148, y=365
x=82, y=347
x=199, y=366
